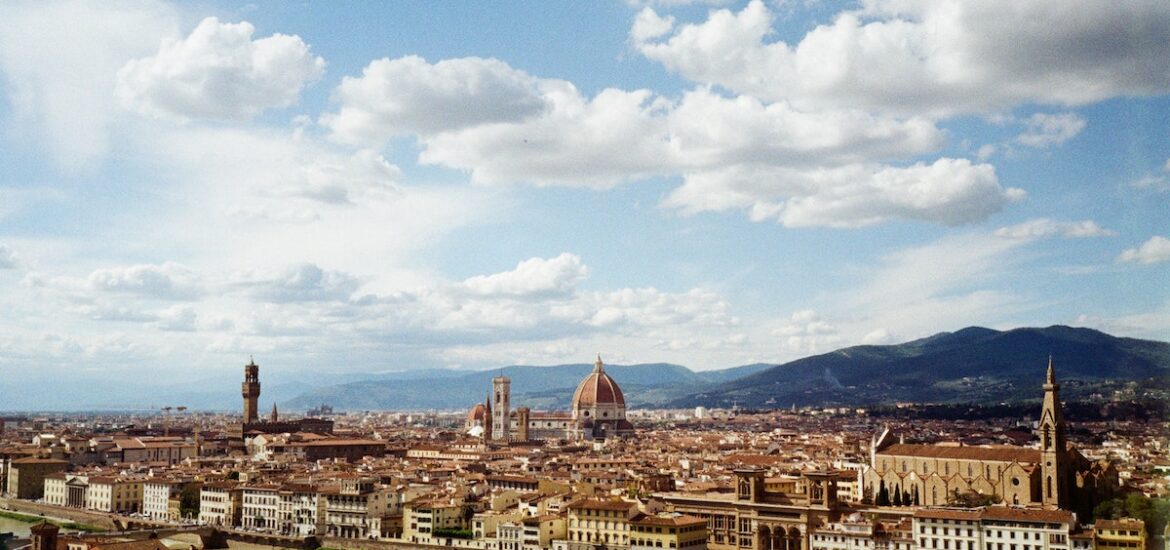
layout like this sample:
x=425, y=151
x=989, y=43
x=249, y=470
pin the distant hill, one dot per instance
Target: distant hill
x=975, y=364
x=548, y=387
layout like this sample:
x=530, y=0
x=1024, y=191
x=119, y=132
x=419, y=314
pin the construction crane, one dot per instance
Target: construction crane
x=167, y=418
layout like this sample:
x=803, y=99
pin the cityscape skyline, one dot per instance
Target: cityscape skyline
x=393, y=187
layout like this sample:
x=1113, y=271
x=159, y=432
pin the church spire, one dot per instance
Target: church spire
x=597, y=366
x=275, y=417
x=1053, y=446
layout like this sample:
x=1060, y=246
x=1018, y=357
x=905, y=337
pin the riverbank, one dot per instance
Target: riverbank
x=62, y=523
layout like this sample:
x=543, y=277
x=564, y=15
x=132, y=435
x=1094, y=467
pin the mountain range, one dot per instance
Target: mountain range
x=972, y=365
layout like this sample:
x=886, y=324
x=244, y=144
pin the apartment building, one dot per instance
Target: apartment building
x=1119, y=534
x=114, y=494
x=668, y=531
x=993, y=528
x=593, y=522
x=261, y=507
x=221, y=504
x=301, y=510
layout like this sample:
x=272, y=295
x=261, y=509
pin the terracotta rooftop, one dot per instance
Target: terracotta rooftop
x=594, y=504
x=1027, y=515
x=990, y=453
x=670, y=521
x=597, y=389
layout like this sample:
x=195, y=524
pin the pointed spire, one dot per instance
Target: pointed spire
x=597, y=366
x=1051, y=373
x=275, y=416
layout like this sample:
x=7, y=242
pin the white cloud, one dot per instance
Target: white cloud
x=649, y=25
x=954, y=281
x=1044, y=227
x=59, y=60
x=410, y=96
x=180, y=318
x=1155, y=250
x=8, y=258
x=939, y=57
x=1157, y=183
x=600, y=142
x=1046, y=129
x=219, y=72
x=170, y=281
x=877, y=337
x=949, y=192
x=532, y=277
x=803, y=167
x=303, y=283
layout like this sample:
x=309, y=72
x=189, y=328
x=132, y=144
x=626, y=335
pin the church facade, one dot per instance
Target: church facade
x=1055, y=475
x=598, y=411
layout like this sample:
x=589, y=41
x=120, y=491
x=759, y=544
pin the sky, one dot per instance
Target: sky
x=366, y=187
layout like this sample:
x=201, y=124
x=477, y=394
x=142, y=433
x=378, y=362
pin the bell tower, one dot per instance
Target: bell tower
x=501, y=411
x=1053, y=449
x=251, y=392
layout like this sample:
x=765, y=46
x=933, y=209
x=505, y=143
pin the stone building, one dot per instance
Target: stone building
x=1055, y=474
x=253, y=424
x=598, y=411
x=760, y=515
x=26, y=476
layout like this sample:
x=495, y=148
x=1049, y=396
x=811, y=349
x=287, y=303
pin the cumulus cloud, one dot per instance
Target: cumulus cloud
x=303, y=283
x=1155, y=250
x=940, y=57
x=410, y=96
x=592, y=142
x=823, y=166
x=1044, y=227
x=1045, y=129
x=219, y=72
x=534, y=276
x=169, y=281
x=7, y=257
x=948, y=191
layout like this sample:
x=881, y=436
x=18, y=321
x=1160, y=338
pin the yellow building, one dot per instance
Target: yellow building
x=1119, y=534
x=540, y=531
x=668, y=531
x=114, y=494
x=593, y=523
x=422, y=518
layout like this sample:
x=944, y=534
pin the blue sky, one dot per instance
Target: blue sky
x=390, y=186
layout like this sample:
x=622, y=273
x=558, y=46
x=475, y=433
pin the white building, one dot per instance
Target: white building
x=993, y=528
x=301, y=511
x=261, y=507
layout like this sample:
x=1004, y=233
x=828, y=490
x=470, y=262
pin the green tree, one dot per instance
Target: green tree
x=971, y=499
x=883, y=496
x=189, y=501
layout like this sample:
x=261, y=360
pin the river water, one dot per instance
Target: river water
x=19, y=528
